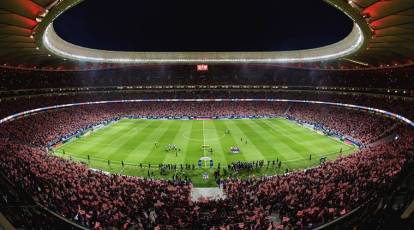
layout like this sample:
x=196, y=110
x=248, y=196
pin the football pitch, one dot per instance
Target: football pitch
x=137, y=147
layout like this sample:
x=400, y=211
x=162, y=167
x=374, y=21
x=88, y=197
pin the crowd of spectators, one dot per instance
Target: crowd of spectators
x=92, y=198
x=302, y=199
x=308, y=198
x=399, y=105
x=217, y=75
x=69, y=120
x=241, y=166
x=342, y=121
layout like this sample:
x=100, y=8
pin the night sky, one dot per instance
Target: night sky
x=180, y=25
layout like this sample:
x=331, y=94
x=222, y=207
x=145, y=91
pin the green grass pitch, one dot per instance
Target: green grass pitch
x=136, y=141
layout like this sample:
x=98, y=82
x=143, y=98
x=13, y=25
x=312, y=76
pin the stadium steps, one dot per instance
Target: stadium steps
x=287, y=110
x=198, y=194
x=388, y=131
x=5, y=224
x=408, y=211
x=387, y=139
x=386, y=136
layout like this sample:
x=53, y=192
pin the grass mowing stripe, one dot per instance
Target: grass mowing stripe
x=146, y=140
x=156, y=156
x=314, y=144
x=117, y=129
x=237, y=134
x=319, y=145
x=292, y=143
x=305, y=139
x=134, y=141
x=95, y=148
x=215, y=140
x=225, y=143
x=193, y=144
x=181, y=142
x=204, y=143
x=277, y=140
x=81, y=146
x=119, y=146
x=300, y=128
x=254, y=140
x=116, y=140
x=318, y=136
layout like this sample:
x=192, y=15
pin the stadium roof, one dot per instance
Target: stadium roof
x=383, y=36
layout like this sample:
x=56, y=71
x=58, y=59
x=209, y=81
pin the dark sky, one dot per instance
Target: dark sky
x=201, y=25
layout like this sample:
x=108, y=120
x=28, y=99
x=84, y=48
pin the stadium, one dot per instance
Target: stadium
x=207, y=115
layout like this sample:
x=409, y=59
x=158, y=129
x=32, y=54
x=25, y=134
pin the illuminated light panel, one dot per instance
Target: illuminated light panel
x=28, y=8
x=27, y=22
x=347, y=46
x=202, y=67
